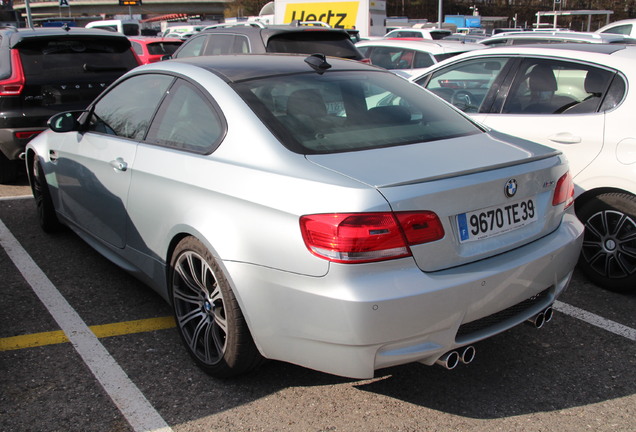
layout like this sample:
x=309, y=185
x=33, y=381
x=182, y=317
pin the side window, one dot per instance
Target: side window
x=422, y=60
x=556, y=87
x=364, y=50
x=187, y=121
x=127, y=109
x=220, y=44
x=466, y=84
x=621, y=29
x=615, y=94
x=385, y=57
x=241, y=45
x=193, y=47
x=137, y=47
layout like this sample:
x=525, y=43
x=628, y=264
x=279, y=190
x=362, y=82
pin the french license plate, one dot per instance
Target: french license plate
x=493, y=221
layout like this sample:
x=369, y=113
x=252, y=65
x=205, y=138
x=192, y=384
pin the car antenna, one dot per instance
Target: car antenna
x=318, y=62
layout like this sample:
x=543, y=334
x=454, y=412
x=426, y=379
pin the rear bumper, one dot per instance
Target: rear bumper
x=359, y=318
x=13, y=147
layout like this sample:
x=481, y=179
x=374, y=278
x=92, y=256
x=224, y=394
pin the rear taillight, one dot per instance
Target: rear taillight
x=367, y=237
x=13, y=85
x=366, y=60
x=26, y=134
x=564, y=191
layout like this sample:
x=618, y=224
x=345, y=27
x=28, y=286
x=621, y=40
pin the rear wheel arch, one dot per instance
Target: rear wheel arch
x=580, y=201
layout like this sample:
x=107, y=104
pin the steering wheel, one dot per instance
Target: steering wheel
x=462, y=99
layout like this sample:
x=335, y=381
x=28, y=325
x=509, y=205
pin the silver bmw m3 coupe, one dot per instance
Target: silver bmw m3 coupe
x=313, y=210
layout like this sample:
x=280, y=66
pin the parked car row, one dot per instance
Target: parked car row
x=296, y=205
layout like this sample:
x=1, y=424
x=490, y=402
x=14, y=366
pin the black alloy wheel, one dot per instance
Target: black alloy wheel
x=209, y=319
x=46, y=211
x=608, y=256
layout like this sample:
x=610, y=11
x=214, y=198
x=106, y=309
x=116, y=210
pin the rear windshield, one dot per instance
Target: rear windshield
x=71, y=58
x=349, y=111
x=329, y=43
x=157, y=48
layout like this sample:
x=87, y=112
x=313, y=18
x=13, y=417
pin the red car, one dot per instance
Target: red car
x=152, y=49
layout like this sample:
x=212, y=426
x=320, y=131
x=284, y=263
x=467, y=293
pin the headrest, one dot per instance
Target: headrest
x=594, y=82
x=542, y=79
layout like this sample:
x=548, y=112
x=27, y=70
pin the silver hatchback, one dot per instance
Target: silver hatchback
x=287, y=210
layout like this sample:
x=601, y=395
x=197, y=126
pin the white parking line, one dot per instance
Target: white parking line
x=127, y=397
x=596, y=320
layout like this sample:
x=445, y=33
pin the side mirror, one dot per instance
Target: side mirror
x=166, y=57
x=64, y=122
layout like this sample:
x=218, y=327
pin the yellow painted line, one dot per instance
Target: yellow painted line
x=32, y=340
x=101, y=331
x=129, y=327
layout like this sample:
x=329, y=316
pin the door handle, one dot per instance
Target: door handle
x=119, y=164
x=565, y=138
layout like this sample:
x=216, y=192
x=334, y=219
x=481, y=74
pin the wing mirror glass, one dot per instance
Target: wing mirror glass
x=65, y=122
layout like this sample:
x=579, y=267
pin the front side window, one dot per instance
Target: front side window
x=187, y=121
x=126, y=110
x=543, y=86
x=346, y=111
x=467, y=84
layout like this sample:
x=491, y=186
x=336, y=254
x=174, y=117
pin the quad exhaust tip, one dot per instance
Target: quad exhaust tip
x=451, y=359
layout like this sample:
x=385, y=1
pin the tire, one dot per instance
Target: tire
x=8, y=170
x=208, y=317
x=608, y=256
x=46, y=211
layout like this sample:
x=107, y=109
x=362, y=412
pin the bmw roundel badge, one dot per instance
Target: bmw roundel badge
x=511, y=188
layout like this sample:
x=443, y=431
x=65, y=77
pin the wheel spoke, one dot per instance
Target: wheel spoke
x=201, y=327
x=192, y=296
x=592, y=228
x=219, y=341
x=194, y=270
x=184, y=319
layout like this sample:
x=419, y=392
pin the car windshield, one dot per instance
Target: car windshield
x=347, y=111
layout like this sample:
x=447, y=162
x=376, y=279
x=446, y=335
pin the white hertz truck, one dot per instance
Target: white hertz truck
x=366, y=16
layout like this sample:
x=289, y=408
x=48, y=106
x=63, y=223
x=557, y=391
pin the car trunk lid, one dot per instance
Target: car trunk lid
x=478, y=180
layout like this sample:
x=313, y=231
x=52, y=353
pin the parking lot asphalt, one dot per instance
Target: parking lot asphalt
x=577, y=373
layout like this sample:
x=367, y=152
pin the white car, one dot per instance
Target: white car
x=576, y=98
x=419, y=33
x=409, y=57
x=525, y=38
x=625, y=27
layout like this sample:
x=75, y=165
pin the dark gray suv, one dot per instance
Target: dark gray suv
x=50, y=70
x=259, y=39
